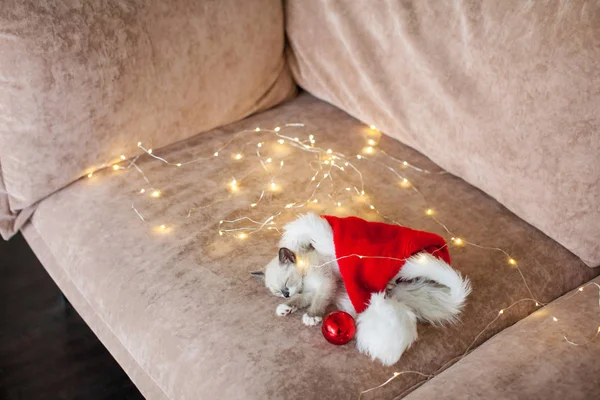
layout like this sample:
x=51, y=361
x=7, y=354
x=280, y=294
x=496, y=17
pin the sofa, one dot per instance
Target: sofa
x=150, y=153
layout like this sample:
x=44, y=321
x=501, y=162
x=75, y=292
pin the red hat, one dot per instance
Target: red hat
x=354, y=237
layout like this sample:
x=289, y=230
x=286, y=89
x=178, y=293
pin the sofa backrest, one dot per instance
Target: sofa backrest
x=83, y=82
x=504, y=94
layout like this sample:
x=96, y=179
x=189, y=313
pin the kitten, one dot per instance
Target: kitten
x=303, y=280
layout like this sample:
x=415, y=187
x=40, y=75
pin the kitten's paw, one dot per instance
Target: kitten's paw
x=311, y=321
x=283, y=309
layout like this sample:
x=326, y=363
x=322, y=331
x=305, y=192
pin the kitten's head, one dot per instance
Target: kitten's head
x=281, y=275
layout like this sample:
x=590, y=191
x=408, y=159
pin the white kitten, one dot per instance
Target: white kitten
x=302, y=281
x=307, y=274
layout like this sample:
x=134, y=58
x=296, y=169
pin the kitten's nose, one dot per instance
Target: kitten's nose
x=285, y=293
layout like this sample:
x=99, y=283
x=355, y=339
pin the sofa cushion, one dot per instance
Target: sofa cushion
x=179, y=298
x=83, y=82
x=532, y=359
x=503, y=94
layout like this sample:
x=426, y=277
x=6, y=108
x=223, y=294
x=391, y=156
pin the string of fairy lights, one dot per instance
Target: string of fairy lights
x=326, y=165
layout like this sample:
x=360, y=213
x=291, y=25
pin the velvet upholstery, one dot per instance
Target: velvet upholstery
x=504, y=94
x=532, y=360
x=83, y=82
x=178, y=307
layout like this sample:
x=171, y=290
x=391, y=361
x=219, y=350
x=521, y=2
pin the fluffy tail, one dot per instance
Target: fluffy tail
x=437, y=293
x=385, y=329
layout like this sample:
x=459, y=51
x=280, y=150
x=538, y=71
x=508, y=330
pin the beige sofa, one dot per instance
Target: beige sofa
x=505, y=96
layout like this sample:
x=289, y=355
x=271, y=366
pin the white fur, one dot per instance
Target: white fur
x=309, y=229
x=283, y=276
x=342, y=302
x=311, y=321
x=435, y=302
x=385, y=329
x=283, y=309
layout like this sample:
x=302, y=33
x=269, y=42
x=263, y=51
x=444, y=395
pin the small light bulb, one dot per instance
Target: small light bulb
x=156, y=193
x=253, y=205
x=371, y=142
x=404, y=180
x=501, y=312
x=220, y=233
x=512, y=261
x=329, y=151
x=537, y=304
x=326, y=162
x=373, y=127
x=358, y=156
x=325, y=176
x=342, y=168
x=257, y=130
x=346, y=164
x=139, y=144
x=149, y=151
x=362, y=192
x=405, y=163
x=242, y=236
x=273, y=186
x=115, y=167
x=277, y=129
x=315, y=201
x=216, y=154
x=163, y=227
x=259, y=145
x=430, y=212
x=142, y=190
x=581, y=289
x=312, y=141
x=280, y=141
x=348, y=189
x=90, y=175
x=122, y=157
x=311, y=137
x=296, y=139
x=281, y=164
x=238, y=156
x=339, y=204
x=300, y=262
x=313, y=178
x=458, y=241
x=179, y=164
x=555, y=319
x=369, y=150
x=372, y=207
x=290, y=205
x=269, y=159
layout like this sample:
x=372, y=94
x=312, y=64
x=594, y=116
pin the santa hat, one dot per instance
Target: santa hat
x=370, y=254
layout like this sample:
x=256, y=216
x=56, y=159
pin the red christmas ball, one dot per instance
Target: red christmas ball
x=338, y=327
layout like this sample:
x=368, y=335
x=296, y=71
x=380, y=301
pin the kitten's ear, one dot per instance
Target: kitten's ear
x=259, y=274
x=286, y=256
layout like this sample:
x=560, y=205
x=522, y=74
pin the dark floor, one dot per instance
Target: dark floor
x=46, y=350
